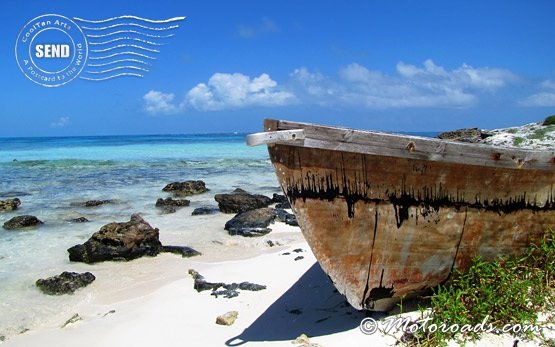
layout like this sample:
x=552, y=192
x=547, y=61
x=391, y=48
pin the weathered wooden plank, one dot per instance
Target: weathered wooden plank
x=414, y=147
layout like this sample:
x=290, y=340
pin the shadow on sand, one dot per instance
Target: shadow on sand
x=312, y=306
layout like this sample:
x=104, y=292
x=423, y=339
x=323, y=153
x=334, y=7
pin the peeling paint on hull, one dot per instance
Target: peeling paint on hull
x=384, y=227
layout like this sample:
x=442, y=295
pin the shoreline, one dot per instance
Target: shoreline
x=168, y=311
x=171, y=312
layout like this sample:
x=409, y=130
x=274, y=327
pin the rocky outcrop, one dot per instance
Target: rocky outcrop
x=251, y=223
x=119, y=241
x=170, y=205
x=228, y=291
x=9, y=205
x=93, y=203
x=280, y=201
x=65, y=283
x=286, y=217
x=205, y=210
x=184, y=251
x=20, y=222
x=186, y=188
x=528, y=136
x=472, y=135
x=241, y=201
x=278, y=198
x=79, y=220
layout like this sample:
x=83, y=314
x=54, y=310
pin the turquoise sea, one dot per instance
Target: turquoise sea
x=50, y=175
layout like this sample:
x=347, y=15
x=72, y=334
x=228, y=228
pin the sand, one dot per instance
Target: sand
x=159, y=307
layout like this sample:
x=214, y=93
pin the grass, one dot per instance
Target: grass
x=539, y=134
x=517, y=141
x=504, y=291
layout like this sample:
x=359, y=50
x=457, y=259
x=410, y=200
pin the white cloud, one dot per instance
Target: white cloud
x=159, y=102
x=264, y=26
x=232, y=91
x=410, y=86
x=223, y=91
x=61, y=122
x=544, y=98
x=428, y=86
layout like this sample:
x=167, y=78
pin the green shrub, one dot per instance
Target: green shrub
x=539, y=134
x=550, y=120
x=504, y=291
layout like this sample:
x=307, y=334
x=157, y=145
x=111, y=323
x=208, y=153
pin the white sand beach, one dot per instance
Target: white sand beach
x=161, y=308
x=166, y=311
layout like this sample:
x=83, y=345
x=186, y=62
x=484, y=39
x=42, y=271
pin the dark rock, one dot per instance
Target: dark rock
x=10, y=204
x=202, y=285
x=109, y=312
x=296, y=311
x=79, y=220
x=93, y=203
x=195, y=275
x=170, y=205
x=65, y=283
x=286, y=217
x=232, y=290
x=75, y=318
x=119, y=241
x=279, y=199
x=229, y=290
x=241, y=201
x=20, y=222
x=298, y=250
x=299, y=258
x=184, y=251
x=226, y=293
x=472, y=135
x=186, y=188
x=253, y=287
x=251, y=223
x=205, y=210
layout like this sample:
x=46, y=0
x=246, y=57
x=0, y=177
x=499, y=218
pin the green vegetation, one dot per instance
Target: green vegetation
x=539, y=134
x=550, y=120
x=505, y=291
x=517, y=141
x=512, y=131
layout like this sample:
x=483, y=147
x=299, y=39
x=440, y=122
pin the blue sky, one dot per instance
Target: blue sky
x=387, y=65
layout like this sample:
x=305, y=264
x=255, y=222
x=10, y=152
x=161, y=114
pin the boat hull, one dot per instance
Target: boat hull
x=385, y=227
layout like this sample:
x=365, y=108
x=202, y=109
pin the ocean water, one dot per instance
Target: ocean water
x=50, y=175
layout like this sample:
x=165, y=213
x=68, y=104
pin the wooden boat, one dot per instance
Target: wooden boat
x=390, y=215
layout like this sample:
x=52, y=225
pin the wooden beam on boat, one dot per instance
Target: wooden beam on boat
x=413, y=147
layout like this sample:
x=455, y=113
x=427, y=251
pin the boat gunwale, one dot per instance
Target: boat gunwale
x=412, y=147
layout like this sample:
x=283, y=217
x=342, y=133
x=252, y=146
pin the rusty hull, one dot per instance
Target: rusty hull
x=384, y=227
